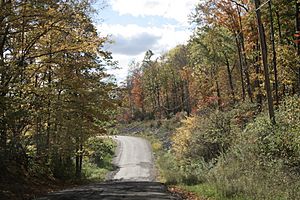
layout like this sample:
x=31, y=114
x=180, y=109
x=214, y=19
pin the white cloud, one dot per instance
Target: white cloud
x=131, y=41
x=129, y=45
x=166, y=37
x=172, y=9
x=134, y=45
x=123, y=67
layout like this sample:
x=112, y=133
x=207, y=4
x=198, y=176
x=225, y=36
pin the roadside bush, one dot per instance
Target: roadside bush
x=100, y=150
x=264, y=162
x=93, y=172
x=98, y=157
x=209, y=137
x=283, y=142
x=169, y=169
x=193, y=171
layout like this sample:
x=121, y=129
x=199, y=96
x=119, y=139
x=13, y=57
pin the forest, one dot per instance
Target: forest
x=54, y=91
x=227, y=102
x=228, y=99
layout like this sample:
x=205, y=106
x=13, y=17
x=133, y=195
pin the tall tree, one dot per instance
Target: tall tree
x=265, y=60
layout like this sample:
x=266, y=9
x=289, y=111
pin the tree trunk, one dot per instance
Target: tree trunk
x=187, y=100
x=80, y=160
x=265, y=61
x=158, y=101
x=257, y=81
x=274, y=52
x=175, y=96
x=168, y=104
x=244, y=57
x=241, y=67
x=230, y=79
x=77, y=159
x=182, y=107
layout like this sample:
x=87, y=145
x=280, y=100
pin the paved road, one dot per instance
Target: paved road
x=134, y=159
x=114, y=191
x=134, y=180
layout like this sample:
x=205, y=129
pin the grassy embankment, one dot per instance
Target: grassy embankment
x=231, y=154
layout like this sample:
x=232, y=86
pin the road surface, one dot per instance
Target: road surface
x=134, y=159
x=134, y=179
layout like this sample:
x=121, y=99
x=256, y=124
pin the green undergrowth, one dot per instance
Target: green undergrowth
x=98, y=160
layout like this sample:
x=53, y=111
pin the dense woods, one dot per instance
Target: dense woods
x=54, y=91
x=236, y=81
x=240, y=51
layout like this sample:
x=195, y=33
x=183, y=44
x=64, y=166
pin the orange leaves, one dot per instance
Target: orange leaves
x=136, y=91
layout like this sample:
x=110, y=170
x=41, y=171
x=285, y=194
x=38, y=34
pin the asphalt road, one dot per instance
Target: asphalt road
x=134, y=179
x=134, y=159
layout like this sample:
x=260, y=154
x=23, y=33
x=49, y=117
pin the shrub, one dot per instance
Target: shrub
x=169, y=168
x=99, y=154
x=193, y=171
x=100, y=150
x=209, y=137
x=264, y=163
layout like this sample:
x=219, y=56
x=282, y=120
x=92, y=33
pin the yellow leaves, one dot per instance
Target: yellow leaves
x=183, y=135
x=156, y=146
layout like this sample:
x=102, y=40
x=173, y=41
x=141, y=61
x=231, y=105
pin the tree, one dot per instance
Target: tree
x=52, y=88
x=265, y=60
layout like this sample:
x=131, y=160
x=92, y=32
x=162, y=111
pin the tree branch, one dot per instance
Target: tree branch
x=241, y=5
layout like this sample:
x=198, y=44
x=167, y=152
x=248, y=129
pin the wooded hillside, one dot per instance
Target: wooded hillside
x=237, y=82
x=240, y=51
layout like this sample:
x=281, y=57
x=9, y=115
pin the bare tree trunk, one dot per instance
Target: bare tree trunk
x=265, y=61
x=175, y=96
x=241, y=67
x=187, y=98
x=244, y=57
x=230, y=79
x=77, y=170
x=274, y=52
x=257, y=81
x=167, y=109
x=158, y=101
x=78, y=159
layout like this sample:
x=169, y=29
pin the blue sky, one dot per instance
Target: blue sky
x=135, y=26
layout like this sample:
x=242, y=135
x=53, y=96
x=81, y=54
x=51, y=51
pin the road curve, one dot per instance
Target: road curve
x=134, y=159
x=134, y=180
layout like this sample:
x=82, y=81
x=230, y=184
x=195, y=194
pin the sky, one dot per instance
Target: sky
x=136, y=26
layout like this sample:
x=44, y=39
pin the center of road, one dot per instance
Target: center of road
x=134, y=159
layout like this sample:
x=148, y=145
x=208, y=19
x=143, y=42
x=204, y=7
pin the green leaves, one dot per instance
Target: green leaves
x=53, y=88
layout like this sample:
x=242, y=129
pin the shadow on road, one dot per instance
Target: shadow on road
x=114, y=190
